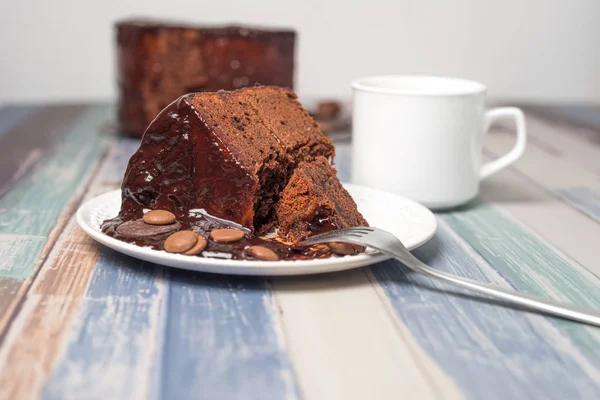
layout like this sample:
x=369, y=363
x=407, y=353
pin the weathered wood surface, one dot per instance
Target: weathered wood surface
x=82, y=321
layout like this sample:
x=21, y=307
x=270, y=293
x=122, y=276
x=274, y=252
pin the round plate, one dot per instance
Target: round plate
x=411, y=222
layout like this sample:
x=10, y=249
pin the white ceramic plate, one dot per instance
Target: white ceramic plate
x=411, y=222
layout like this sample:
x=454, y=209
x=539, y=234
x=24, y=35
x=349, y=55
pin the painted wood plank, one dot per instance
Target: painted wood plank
x=491, y=351
x=13, y=115
x=40, y=204
x=585, y=199
x=587, y=116
x=542, y=166
x=18, y=254
x=345, y=343
x=9, y=290
x=222, y=341
x=127, y=296
x=530, y=192
x=24, y=145
x=33, y=205
x=111, y=345
x=36, y=335
x=68, y=300
x=25, y=360
x=529, y=264
x=565, y=140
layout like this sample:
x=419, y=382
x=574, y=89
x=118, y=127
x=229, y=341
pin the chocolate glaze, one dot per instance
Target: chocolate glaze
x=202, y=223
x=165, y=172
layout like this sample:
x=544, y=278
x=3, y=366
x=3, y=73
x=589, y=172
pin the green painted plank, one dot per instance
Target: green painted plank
x=34, y=204
x=24, y=146
x=18, y=254
x=532, y=266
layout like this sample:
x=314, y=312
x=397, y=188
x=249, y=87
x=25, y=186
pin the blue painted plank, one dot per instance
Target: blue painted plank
x=110, y=349
x=222, y=342
x=491, y=351
x=531, y=265
x=583, y=198
x=12, y=116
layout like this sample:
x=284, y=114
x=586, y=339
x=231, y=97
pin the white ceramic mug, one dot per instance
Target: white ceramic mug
x=421, y=137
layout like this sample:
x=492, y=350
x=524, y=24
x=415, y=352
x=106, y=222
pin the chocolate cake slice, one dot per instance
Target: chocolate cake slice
x=158, y=61
x=314, y=201
x=230, y=153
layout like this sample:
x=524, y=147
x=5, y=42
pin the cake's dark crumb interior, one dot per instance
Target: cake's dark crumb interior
x=273, y=178
x=314, y=201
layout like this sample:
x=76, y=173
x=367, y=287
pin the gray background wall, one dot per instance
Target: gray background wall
x=524, y=49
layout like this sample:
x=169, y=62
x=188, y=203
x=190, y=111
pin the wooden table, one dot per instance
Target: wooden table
x=80, y=321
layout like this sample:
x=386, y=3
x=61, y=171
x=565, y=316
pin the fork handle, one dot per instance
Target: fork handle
x=523, y=300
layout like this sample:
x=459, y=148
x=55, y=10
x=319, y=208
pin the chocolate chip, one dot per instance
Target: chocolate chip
x=262, y=253
x=180, y=242
x=139, y=229
x=226, y=235
x=345, y=249
x=198, y=247
x=159, y=217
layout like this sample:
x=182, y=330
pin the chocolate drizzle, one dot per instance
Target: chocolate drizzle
x=202, y=223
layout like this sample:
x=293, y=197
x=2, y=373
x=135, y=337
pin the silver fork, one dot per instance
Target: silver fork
x=389, y=244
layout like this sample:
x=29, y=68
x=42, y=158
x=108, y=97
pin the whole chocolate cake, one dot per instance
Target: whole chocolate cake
x=159, y=61
x=252, y=157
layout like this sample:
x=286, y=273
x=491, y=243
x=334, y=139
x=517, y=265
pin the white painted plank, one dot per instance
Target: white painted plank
x=564, y=140
x=546, y=167
x=345, y=344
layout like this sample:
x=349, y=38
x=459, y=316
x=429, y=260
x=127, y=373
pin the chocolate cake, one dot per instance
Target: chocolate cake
x=159, y=61
x=314, y=201
x=218, y=169
x=230, y=153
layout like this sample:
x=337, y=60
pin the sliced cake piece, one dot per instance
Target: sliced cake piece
x=230, y=153
x=314, y=201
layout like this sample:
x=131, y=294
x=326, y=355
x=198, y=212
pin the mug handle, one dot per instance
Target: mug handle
x=513, y=155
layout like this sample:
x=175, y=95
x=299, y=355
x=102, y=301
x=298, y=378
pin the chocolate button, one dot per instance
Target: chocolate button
x=198, y=247
x=226, y=235
x=139, y=229
x=180, y=241
x=262, y=253
x=345, y=249
x=159, y=217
